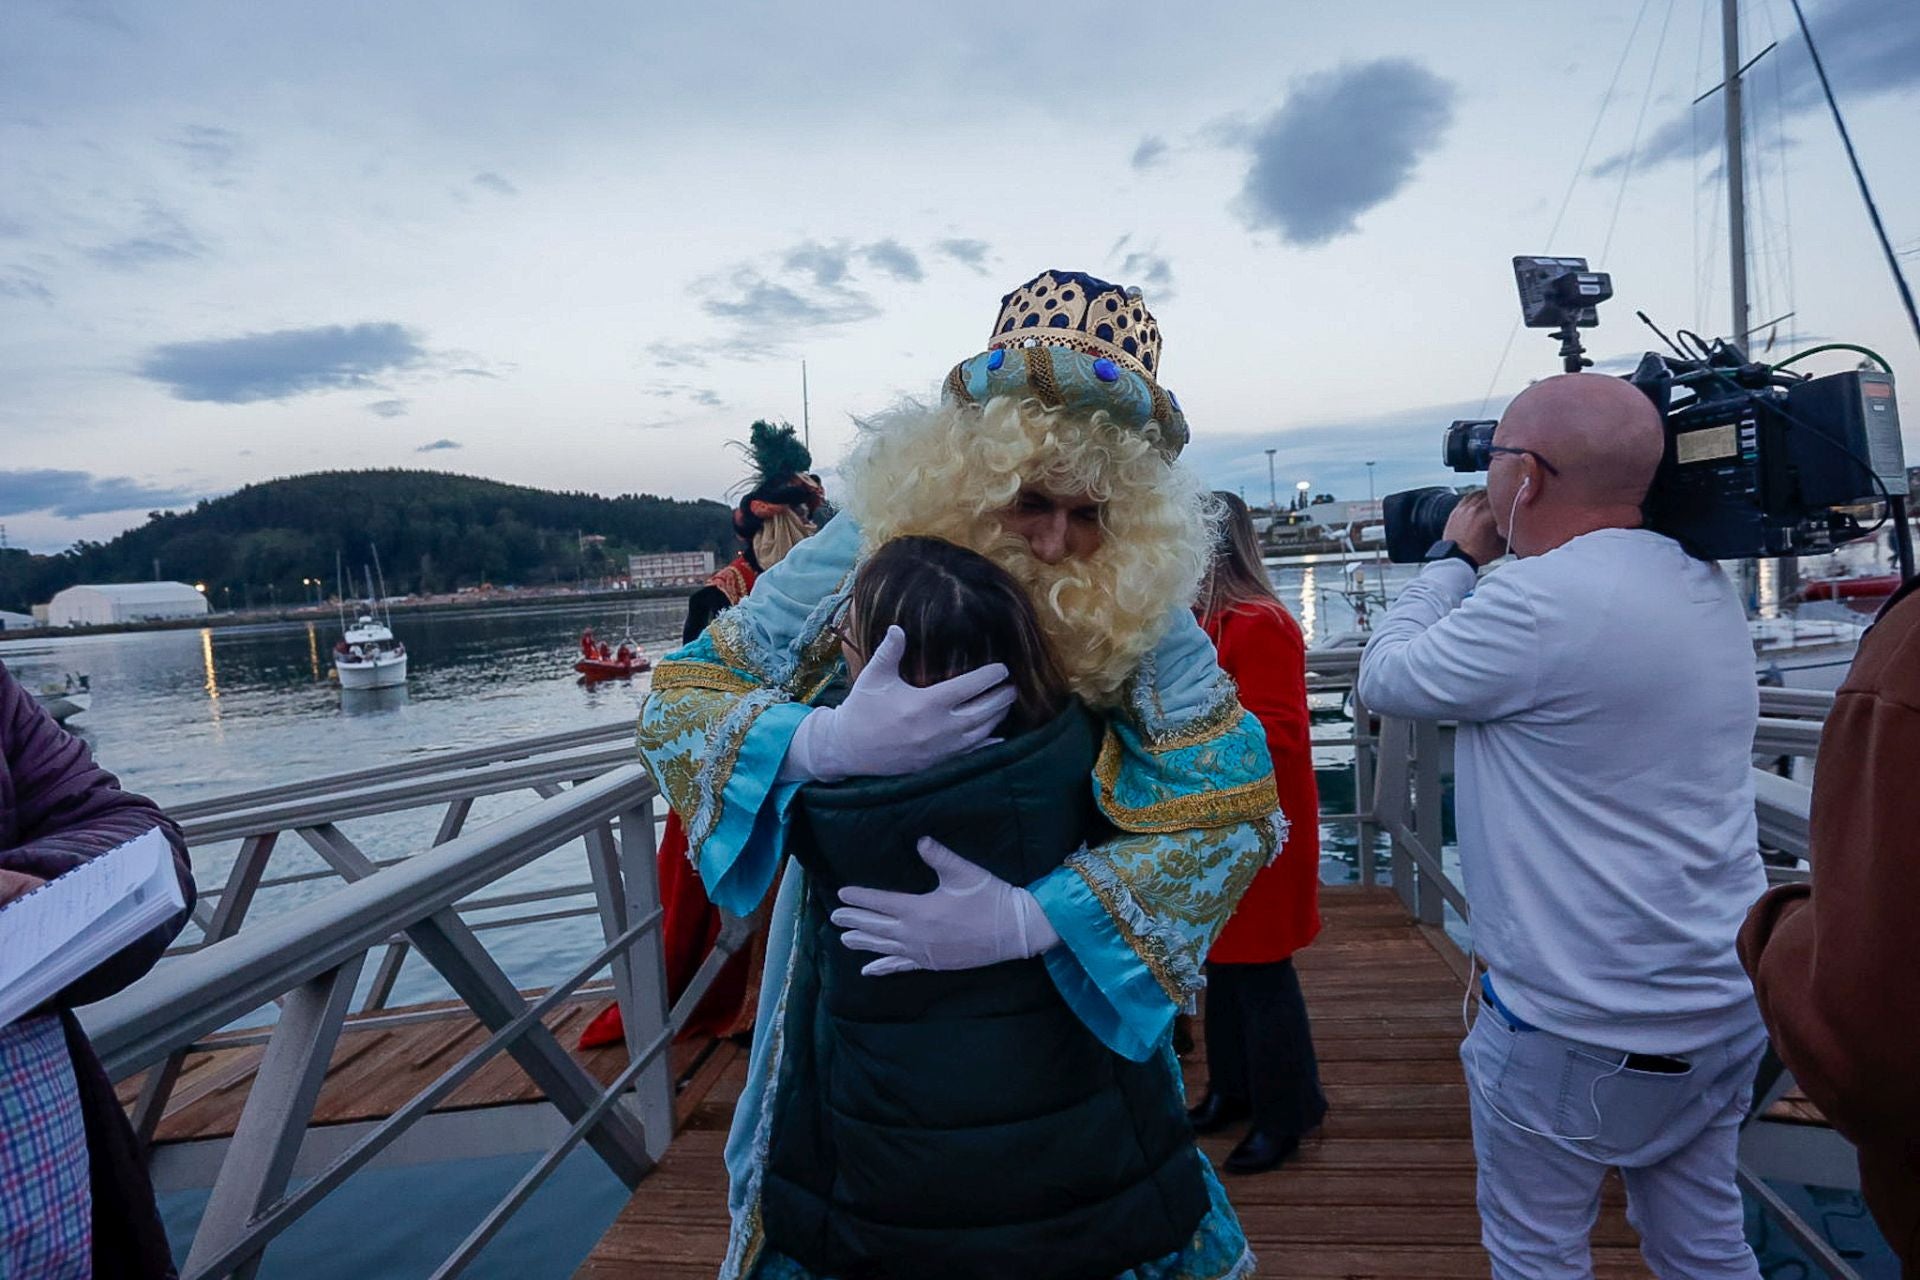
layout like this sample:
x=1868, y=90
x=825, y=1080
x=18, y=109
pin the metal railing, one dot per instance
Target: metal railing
x=309, y=959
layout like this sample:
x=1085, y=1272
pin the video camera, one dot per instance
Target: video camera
x=1758, y=462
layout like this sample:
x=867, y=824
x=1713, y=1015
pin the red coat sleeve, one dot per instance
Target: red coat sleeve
x=1262, y=649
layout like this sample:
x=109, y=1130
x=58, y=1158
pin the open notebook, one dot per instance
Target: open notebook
x=62, y=930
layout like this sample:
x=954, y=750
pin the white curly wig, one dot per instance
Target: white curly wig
x=949, y=471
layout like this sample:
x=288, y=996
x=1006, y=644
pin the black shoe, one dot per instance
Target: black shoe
x=1260, y=1151
x=1216, y=1111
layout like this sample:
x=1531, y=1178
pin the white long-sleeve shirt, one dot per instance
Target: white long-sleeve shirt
x=1606, y=699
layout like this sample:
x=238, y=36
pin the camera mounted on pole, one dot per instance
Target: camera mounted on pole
x=1562, y=295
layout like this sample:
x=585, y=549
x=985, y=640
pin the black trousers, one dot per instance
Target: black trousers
x=1260, y=1048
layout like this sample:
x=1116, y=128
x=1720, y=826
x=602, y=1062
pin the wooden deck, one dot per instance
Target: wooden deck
x=374, y=1072
x=1385, y=1190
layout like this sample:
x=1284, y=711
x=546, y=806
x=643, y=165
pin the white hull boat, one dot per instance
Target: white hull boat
x=368, y=657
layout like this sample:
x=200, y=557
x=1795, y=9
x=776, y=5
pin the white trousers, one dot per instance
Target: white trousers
x=1552, y=1115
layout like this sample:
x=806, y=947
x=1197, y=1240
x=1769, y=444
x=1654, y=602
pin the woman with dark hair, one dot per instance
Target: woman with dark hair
x=1260, y=1058
x=957, y=1124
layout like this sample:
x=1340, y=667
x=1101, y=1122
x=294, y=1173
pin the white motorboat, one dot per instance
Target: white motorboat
x=63, y=702
x=368, y=657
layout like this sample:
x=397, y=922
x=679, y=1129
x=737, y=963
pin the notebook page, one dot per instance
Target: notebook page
x=60, y=931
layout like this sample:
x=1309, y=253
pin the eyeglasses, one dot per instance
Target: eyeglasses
x=1507, y=448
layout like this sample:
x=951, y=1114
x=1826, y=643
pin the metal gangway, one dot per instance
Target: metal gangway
x=267, y=1000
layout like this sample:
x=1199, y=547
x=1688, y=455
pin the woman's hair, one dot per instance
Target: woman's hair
x=960, y=611
x=950, y=471
x=1238, y=575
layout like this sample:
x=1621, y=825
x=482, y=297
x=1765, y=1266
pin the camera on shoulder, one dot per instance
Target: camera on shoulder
x=1759, y=462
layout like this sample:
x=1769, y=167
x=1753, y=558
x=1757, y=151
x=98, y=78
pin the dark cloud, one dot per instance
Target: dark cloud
x=1870, y=48
x=73, y=494
x=891, y=258
x=162, y=237
x=676, y=355
x=388, y=408
x=495, y=183
x=289, y=362
x=1152, y=272
x=968, y=253
x=1151, y=151
x=826, y=264
x=705, y=397
x=435, y=446
x=1343, y=142
x=211, y=152
x=24, y=282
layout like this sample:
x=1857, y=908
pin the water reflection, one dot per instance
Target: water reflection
x=213, y=678
x=313, y=651
x=360, y=702
x=1309, y=602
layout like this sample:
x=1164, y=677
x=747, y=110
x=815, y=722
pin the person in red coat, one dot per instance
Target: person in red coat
x=1260, y=1055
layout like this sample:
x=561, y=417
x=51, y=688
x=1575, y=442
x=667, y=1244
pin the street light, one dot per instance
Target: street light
x=1369, y=480
x=1273, y=493
x=1302, y=488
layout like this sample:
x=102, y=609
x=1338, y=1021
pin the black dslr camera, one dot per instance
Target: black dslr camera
x=1758, y=462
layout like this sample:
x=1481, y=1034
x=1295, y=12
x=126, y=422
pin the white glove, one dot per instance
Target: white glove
x=887, y=727
x=973, y=919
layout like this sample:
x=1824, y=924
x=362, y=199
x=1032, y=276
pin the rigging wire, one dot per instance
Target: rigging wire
x=1633, y=148
x=1573, y=182
x=1786, y=189
x=1693, y=125
x=1859, y=175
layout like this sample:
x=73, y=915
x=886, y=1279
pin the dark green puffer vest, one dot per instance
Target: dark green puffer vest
x=963, y=1126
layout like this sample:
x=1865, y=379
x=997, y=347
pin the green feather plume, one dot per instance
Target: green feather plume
x=777, y=452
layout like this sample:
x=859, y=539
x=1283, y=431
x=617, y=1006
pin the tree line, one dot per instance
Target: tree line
x=279, y=541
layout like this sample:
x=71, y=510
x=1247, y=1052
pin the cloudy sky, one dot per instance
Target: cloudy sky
x=582, y=245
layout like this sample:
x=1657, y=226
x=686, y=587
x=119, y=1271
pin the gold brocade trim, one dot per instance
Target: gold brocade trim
x=726, y=647
x=732, y=583
x=1248, y=802
x=1149, y=949
x=1046, y=388
x=686, y=673
x=1222, y=718
x=957, y=386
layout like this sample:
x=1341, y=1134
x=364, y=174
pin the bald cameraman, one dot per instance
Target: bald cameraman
x=1606, y=697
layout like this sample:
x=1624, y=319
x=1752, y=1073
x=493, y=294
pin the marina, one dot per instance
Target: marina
x=393, y=960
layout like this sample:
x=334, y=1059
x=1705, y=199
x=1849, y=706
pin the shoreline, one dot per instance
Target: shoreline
x=329, y=612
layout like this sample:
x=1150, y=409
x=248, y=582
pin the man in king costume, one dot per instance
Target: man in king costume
x=1052, y=453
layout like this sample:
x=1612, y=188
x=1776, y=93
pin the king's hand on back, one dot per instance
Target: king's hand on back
x=888, y=727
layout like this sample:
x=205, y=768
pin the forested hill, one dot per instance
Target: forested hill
x=435, y=532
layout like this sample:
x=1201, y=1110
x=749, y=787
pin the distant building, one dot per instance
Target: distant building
x=670, y=569
x=103, y=604
x=16, y=621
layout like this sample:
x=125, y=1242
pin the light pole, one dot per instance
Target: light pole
x=1273, y=492
x=1369, y=480
x=1302, y=489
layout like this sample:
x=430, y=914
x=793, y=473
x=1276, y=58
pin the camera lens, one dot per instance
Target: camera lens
x=1415, y=519
x=1469, y=445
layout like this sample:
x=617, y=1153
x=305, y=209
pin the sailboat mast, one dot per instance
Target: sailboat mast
x=1736, y=165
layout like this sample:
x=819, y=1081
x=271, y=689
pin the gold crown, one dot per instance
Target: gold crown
x=1075, y=310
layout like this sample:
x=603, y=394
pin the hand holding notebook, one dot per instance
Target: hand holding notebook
x=57, y=933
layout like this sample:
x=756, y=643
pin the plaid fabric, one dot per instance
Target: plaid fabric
x=46, y=1208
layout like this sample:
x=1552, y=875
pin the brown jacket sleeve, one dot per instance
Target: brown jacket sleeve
x=1835, y=963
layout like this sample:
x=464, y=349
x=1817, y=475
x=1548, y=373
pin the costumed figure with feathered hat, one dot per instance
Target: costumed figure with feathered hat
x=882, y=1147
x=778, y=510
